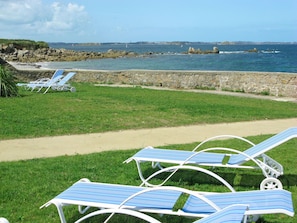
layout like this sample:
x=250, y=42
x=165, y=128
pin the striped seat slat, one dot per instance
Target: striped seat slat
x=267, y=200
x=116, y=194
x=231, y=214
x=176, y=156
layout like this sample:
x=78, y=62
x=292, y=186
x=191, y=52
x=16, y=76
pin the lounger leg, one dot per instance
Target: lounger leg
x=140, y=172
x=61, y=213
x=46, y=90
x=156, y=164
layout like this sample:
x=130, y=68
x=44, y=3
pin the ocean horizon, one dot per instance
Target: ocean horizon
x=268, y=58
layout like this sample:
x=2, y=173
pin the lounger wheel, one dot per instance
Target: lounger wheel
x=3, y=220
x=72, y=89
x=271, y=183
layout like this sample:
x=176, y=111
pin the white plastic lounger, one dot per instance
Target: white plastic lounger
x=162, y=200
x=39, y=86
x=230, y=158
x=62, y=84
x=31, y=84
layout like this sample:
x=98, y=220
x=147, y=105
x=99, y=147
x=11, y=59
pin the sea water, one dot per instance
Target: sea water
x=268, y=58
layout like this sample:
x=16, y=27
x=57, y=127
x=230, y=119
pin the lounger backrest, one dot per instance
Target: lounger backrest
x=57, y=73
x=264, y=146
x=65, y=79
x=262, y=201
x=54, y=80
x=230, y=214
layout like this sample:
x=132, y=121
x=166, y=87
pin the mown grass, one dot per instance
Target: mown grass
x=26, y=185
x=100, y=109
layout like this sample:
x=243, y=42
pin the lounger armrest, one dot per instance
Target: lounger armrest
x=174, y=189
x=221, y=137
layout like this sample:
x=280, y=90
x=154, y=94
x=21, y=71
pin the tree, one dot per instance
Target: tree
x=8, y=87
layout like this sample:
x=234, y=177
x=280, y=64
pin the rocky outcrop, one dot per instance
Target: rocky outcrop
x=192, y=50
x=14, y=53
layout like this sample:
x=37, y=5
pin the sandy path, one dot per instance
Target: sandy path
x=19, y=149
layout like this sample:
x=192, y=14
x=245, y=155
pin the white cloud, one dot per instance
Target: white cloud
x=20, y=12
x=25, y=18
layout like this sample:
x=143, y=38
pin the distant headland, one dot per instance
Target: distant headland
x=28, y=51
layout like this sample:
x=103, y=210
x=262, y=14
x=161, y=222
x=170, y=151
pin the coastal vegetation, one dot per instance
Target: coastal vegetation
x=8, y=86
x=22, y=43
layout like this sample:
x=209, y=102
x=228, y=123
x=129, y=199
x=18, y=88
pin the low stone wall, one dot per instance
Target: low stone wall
x=269, y=83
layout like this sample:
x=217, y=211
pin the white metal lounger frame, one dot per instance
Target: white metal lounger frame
x=234, y=213
x=268, y=183
x=39, y=86
x=161, y=200
x=41, y=81
x=270, y=168
x=173, y=170
x=62, y=85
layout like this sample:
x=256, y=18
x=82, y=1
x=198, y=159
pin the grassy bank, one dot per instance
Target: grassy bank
x=26, y=185
x=100, y=109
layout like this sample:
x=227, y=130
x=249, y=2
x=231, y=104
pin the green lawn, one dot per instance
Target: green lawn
x=100, y=109
x=26, y=185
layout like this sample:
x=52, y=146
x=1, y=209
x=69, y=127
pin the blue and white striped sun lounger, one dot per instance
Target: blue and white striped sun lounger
x=39, y=86
x=31, y=85
x=162, y=200
x=230, y=158
x=62, y=84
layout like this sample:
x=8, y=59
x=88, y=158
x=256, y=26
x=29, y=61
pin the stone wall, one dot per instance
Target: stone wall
x=277, y=84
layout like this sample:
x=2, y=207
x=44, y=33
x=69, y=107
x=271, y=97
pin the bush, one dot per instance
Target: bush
x=22, y=43
x=8, y=87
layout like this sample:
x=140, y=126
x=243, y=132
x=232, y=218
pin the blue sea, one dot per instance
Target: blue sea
x=162, y=56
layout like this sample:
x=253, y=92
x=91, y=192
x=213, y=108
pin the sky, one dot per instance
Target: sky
x=85, y=21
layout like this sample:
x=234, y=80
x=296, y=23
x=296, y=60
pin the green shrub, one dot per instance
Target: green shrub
x=8, y=86
x=23, y=43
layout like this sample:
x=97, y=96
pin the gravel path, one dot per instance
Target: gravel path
x=21, y=149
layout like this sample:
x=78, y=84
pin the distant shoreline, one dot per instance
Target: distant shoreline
x=36, y=67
